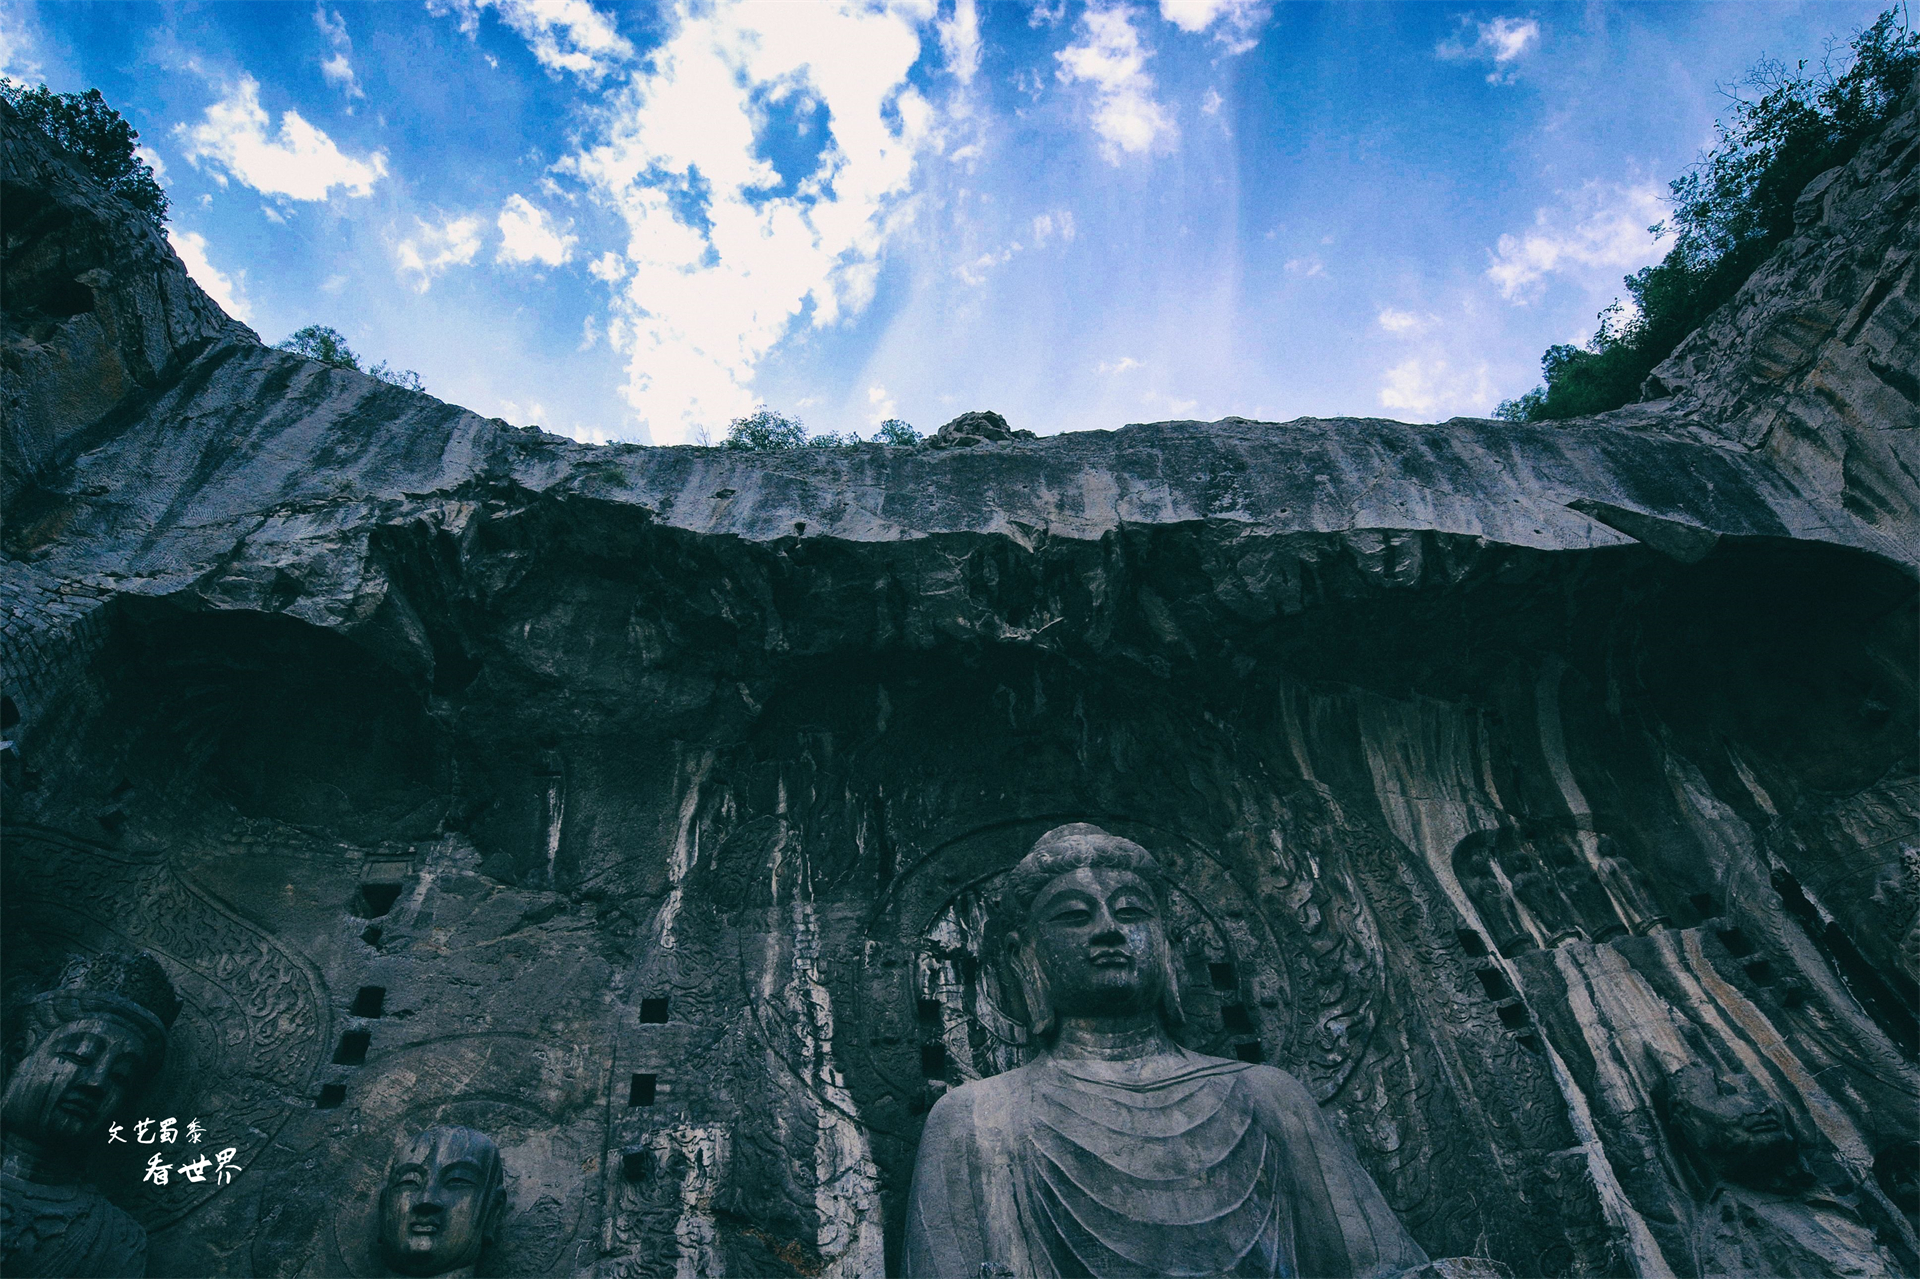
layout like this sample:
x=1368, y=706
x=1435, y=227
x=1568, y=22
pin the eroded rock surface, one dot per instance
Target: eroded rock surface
x=639, y=807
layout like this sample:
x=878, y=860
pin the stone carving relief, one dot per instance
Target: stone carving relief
x=252, y=1023
x=78, y=1056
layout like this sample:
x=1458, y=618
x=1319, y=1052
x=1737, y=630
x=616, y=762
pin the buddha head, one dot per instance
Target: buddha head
x=444, y=1202
x=80, y=1053
x=1728, y=1123
x=1084, y=914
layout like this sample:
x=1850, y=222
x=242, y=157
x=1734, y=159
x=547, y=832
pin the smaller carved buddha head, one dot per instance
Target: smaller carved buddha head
x=1084, y=913
x=444, y=1203
x=81, y=1052
x=1728, y=1123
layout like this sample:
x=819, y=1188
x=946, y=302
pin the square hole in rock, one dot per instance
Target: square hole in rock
x=1251, y=1051
x=372, y=934
x=633, y=1165
x=1761, y=971
x=654, y=1011
x=641, y=1090
x=1223, y=976
x=1233, y=1018
x=331, y=1095
x=370, y=1002
x=353, y=1048
x=1513, y=1016
x=1471, y=942
x=1494, y=982
x=933, y=1060
x=929, y=1011
x=1738, y=944
x=374, y=900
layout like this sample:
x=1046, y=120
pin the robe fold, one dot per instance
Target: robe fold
x=1213, y=1167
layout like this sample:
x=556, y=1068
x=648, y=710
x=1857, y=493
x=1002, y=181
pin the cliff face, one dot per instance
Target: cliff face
x=1505, y=771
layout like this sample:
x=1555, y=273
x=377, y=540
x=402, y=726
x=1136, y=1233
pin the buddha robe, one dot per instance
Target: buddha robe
x=66, y=1230
x=1080, y=1167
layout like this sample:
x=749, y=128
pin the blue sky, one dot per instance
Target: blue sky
x=639, y=221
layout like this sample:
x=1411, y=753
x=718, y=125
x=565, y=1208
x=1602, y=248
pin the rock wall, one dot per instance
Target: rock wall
x=640, y=806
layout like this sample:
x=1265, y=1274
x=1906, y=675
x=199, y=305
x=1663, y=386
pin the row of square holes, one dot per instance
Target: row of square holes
x=369, y=1002
x=372, y=902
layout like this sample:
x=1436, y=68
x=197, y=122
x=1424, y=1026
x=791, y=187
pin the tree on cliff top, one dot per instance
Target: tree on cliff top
x=1730, y=212
x=96, y=137
x=767, y=429
x=327, y=345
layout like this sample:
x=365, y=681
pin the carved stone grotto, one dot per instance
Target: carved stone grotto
x=1523, y=791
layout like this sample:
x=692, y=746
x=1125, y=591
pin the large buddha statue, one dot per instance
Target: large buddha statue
x=1116, y=1151
x=79, y=1054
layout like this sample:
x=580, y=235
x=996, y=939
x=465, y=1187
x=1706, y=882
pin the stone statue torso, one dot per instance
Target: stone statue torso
x=66, y=1230
x=1191, y=1165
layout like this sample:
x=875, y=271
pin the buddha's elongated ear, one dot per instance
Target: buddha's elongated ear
x=1034, y=991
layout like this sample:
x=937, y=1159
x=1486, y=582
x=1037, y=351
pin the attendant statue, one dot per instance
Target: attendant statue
x=1759, y=1211
x=444, y=1204
x=1116, y=1151
x=78, y=1056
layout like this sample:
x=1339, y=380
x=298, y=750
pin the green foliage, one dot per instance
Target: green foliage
x=322, y=343
x=406, y=379
x=327, y=345
x=95, y=136
x=1729, y=214
x=765, y=429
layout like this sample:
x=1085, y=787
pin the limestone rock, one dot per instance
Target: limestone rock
x=976, y=428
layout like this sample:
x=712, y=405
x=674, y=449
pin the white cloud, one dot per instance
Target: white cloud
x=960, y=40
x=1237, y=19
x=1599, y=230
x=1500, y=43
x=300, y=162
x=975, y=271
x=565, y=35
x=1042, y=14
x=1406, y=323
x=434, y=248
x=222, y=288
x=1212, y=102
x=609, y=267
x=723, y=252
x=1109, y=57
x=881, y=405
x=1433, y=388
x=20, y=46
x=1307, y=267
x=589, y=332
x=528, y=234
x=152, y=160
x=1048, y=225
x=1120, y=365
x=337, y=70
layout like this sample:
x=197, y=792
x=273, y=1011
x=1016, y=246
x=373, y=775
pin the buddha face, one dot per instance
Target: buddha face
x=75, y=1081
x=1096, y=935
x=1731, y=1122
x=441, y=1203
